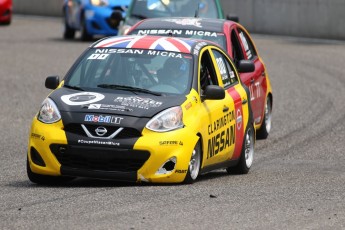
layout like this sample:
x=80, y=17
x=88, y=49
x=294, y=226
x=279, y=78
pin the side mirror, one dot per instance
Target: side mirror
x=232, y=17
x=213, y=92
x=246, y=66
x=116, y=18
x=52, y=82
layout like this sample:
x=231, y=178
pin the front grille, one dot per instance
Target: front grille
x=125, y=133
x=95, y=25
x=99, y=158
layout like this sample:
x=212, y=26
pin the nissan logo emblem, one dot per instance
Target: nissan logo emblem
x=101, y=131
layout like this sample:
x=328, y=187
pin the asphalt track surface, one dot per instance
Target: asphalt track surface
x=297, y=180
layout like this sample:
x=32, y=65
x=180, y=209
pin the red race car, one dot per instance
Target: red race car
x=233, y=38
x=5, y=12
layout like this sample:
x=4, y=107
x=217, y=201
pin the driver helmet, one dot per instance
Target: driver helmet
x=175, y=67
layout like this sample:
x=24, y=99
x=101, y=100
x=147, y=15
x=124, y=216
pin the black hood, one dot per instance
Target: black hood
x=113, y=111
x=113, y=102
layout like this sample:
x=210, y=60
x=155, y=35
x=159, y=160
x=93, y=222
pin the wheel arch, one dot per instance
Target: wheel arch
x=270, y=95
x=202, y=149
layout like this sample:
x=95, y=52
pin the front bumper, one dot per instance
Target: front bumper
x=155, y=157
x=5, y=14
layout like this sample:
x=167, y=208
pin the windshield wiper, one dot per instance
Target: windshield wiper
x=73, y=87
x=139, y=16
x=129, y=88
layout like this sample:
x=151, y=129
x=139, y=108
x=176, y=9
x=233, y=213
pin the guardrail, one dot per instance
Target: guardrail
x=305, y=18
x=38, y=7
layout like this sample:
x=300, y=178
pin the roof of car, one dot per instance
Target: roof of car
x=173, y=44
x=207, y=24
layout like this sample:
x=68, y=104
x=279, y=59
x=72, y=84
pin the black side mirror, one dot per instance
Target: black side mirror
x=213, y=92
x=52, y=82
x=232, y=17
x=116, y=18
x=246, y=66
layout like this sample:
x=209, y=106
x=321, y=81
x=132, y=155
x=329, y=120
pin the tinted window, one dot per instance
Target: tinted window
x=226, y=71
x=218, y=38
x=236, y=48
x=247, y=44
x=163, y=72
x=176, y=8
x=207, y=72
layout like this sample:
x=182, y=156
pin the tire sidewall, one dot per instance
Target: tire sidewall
x=189, y=179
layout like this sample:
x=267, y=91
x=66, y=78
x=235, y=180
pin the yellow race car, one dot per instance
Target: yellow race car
x=144, y=109
x=235, y=39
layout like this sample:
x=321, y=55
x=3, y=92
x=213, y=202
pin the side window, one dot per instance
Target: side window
x=226, y=71
x=247, y=44
x=207, y=72
x=237, y=53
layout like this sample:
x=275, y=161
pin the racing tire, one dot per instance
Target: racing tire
x=7, y=23
x=194, y=165
x=44, y=179
x=266, y=125
x=68, y=33
x=247, y=153
x=84, y=34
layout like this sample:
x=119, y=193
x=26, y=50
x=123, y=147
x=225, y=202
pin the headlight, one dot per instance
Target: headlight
x=166, y=120
x=99, y=2
x=49, y=112
x=123, y=30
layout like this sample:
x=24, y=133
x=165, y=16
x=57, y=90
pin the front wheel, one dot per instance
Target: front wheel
x=247, y=153
x=85, y=36
x=265, y=128
x=7, y=23
x=68, y=33
x=194, y=164
x=44, y=179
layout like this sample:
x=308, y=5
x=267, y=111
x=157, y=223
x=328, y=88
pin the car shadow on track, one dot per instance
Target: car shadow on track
x=98, y=183
x=76, y=183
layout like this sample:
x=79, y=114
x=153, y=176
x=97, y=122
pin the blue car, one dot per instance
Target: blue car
x=92, y=17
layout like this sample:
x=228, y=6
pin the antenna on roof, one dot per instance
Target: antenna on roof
x=197, y=11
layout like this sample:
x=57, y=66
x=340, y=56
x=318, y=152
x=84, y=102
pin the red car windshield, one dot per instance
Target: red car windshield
x=215, y=37
x=176, y=8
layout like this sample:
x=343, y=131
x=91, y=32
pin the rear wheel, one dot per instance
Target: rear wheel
x=44, y=179
x=68, y=33
x=247, y=153
x=194, y=165
x=265, y=128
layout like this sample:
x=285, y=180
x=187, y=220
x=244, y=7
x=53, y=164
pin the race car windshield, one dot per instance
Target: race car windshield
x=134, y=70
x=216, y=37
x=177, y=8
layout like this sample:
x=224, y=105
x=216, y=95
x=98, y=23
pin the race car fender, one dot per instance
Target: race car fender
x=40, y=137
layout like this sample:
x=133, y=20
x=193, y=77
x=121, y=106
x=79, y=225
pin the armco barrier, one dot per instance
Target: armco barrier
x=306, y=18
x=38, y=7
